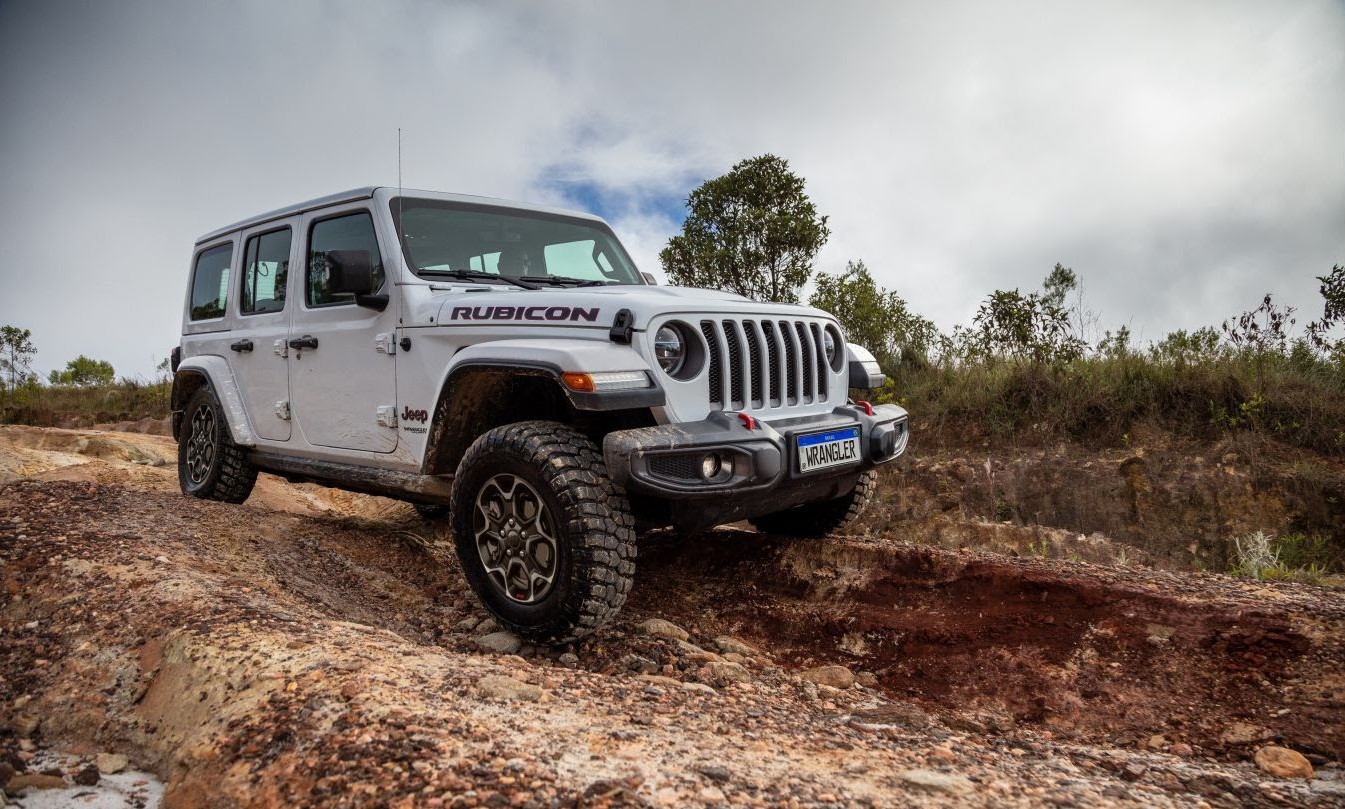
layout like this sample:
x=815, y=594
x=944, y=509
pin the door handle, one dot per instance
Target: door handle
x=241, y=345
x=307, y=341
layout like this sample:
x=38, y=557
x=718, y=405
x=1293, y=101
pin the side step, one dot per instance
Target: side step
x=408, y=486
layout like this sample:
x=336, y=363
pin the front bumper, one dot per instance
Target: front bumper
x=761, y=470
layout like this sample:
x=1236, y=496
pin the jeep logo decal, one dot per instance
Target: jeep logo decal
x=570, y=313
x=421, y=416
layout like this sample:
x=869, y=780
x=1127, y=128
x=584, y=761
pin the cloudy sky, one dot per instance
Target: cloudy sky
x=1183, y=158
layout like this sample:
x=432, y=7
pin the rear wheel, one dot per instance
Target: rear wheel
x=545, y=538
x=209, y=464
x=816, y=520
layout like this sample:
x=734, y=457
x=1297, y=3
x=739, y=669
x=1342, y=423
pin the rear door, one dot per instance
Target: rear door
x=258, y=353
x=343, y=373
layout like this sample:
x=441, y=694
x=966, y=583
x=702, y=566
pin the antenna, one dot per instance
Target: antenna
x=400, y=227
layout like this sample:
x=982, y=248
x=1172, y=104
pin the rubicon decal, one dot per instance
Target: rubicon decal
x=421, y=416
x=567, y=313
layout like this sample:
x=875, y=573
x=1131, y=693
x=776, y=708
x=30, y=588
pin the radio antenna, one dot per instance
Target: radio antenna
x=400, y=227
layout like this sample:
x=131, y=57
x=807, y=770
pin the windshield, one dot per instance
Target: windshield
x=440, y=238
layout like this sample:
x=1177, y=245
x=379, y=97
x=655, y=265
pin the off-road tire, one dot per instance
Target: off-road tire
x=228, y=476
x=816, y=520
x=595, y=559
x=431, y=511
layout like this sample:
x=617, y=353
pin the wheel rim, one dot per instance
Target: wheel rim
x=201, y=444
x=516, y=539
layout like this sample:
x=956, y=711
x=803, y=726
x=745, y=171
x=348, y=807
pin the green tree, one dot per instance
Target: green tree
x=752, y=231
x=83, y=372
x=874, y=317
x=16, y=354
x=1333, y=312
x=1035, y=327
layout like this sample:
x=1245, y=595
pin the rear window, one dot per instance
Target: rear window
x=210, y=282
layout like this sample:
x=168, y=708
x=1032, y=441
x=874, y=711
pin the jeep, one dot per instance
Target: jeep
x=507, y=366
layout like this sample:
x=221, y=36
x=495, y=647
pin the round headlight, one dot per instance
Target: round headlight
x=670, y=349
x=829, y=346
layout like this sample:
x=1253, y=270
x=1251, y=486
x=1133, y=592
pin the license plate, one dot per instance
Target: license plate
x=832, y=448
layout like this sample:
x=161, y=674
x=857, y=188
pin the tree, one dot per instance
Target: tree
x=1333, y=312
x=83, y=372
x=752, y=231
x=874, y=317
x=16, y=354
x=1035, y=327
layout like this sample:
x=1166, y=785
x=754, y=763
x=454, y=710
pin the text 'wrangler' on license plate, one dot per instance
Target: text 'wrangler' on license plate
x=833, y=448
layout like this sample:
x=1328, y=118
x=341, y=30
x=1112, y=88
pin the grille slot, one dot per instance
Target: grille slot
x=675, y=467
x=819, y=352
x=715, y=364
x=754, y=360
x=772, y=360
x=735, y=364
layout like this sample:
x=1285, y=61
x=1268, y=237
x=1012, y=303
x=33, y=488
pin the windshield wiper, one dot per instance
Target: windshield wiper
x=477, y=275
x=565, y=280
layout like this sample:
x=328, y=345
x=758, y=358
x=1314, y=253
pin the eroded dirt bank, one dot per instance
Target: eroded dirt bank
x=325, y=652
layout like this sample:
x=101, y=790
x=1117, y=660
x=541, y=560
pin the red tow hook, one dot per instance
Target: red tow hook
x=748, y=422
x=865, y=406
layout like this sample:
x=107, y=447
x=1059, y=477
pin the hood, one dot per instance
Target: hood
x=596, y=306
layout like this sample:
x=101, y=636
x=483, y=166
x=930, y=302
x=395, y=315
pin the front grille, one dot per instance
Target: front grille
x=763, y=364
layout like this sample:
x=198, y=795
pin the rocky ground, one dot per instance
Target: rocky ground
x=313, y=648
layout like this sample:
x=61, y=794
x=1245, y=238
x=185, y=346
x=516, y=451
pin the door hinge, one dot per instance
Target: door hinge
x=387, y=415
x=283, y=411
x=385, y=343
x=282, y=348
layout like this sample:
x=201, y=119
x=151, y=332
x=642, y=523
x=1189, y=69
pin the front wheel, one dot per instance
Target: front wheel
x=816, y=520
x=545, y=538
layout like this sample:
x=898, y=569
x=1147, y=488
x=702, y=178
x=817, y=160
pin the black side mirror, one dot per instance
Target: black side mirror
x=350, y=272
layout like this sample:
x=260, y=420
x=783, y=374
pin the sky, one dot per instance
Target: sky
x=1183, y=158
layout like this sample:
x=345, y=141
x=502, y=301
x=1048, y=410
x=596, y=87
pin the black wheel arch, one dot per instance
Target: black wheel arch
x=185, y=384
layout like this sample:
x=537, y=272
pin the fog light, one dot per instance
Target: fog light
x=711, y=466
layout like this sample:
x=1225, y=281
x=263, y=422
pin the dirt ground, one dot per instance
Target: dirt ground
x=315, y=648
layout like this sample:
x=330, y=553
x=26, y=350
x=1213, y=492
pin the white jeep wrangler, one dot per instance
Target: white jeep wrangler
x=508, y=365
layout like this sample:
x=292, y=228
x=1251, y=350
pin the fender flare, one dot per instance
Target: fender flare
x=220, y=378
x=556, y=357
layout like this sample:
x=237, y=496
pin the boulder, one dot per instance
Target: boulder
x=1282, y=762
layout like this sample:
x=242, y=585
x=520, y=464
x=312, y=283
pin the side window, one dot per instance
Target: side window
x=266, y=266
x=351, y=232
x=210, y=282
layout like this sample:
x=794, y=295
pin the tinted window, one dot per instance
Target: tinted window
x=210, y=282
x=353, y=232
x=266, y=266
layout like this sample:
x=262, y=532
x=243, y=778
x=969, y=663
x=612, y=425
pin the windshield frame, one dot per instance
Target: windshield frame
x=395, y=205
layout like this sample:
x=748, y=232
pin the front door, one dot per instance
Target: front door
x=343, y=378
x=258, y=351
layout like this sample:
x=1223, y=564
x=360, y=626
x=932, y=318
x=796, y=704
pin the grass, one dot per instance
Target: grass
x=59, y=405
x=1291, y=557
x=1099, y=401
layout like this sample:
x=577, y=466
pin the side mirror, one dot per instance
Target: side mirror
x=649, y=278
x=350, y=272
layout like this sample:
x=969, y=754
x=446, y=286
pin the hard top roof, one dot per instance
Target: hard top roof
x=369, y=192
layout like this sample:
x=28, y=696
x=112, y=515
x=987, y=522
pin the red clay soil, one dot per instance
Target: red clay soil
x=1092, y=653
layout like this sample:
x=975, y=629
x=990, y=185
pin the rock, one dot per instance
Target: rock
x=660, y=680
x=711, y=795
x=727, y=644
x=500, y=642
x=696, y=654
x=569, y=659
x=834, y=676
x=639, y=664
x=1245, y=733
x=715, y=772
x=1182, y=749
x=487, y=626
x=87, y=776
x=1157, y=742
x=111, y=763
x=468, y=624
x=496, y=686
x=25, y=725
x=934, y=781
x=725, y=673
x=701, y=687
x=867, y=679
x=1282, y=762
x=36, y=781
x=943, y=755
x=663, y=629
x=1133, y=771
